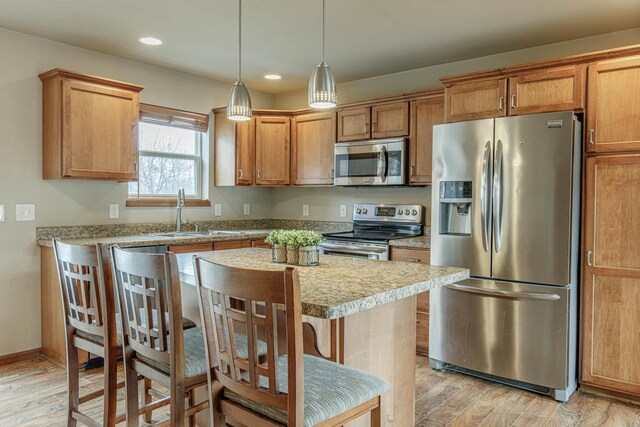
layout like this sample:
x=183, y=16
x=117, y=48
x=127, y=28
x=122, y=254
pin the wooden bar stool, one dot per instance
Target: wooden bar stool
x=290, y=388
x=155, y=347
x=88, y=304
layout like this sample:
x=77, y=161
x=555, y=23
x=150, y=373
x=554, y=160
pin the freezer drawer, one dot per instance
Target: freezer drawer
x=510, y=330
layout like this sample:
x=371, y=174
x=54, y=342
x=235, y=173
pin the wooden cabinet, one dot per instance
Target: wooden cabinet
x=422, y=306
x=476, y=100
x=234, y=149
x=611, y=275
x=272, y=150
x=389, y=120
x=425, y=113
x=313, y=137
x=260, y=243
x=613, y=110
x=190, y=247
x=556, y=89
x=89, y=127
x=354, y=124
x=231, y=244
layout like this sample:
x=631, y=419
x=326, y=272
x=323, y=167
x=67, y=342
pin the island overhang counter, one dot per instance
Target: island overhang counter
x=361, y=312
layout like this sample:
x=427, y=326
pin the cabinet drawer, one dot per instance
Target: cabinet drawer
x=410, y=255
x=233, y=244
x=422, y=332
x=423, y=302
x=194, y=247
x=260, y=243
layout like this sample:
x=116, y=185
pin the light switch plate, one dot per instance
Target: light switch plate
x=114, y=211
x=1, y=213
x=343, y=211
x=247, y=209
x=217, y=209
x=305, y=210
x=25, y=212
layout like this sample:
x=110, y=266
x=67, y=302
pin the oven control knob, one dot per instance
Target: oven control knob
x=359, y=211
x=364, y=211
x=414, y=212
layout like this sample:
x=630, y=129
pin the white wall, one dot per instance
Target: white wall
x=77, y=202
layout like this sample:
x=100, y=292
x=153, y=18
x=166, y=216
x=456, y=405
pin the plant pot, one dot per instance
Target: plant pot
x=279, y=253
x=308, y=255
x=292, y=255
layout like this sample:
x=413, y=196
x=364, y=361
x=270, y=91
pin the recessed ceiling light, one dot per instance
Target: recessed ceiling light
x=272, y=76
x=151, y=41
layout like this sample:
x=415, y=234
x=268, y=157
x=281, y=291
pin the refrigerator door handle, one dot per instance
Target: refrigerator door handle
x=484, y=197
x=497, y=196
x=505, y=294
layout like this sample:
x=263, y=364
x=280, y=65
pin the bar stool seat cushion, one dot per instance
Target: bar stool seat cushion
x=195, y=360
x=330, y=389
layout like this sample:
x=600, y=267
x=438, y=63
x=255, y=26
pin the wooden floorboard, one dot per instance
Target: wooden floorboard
x=33, y=393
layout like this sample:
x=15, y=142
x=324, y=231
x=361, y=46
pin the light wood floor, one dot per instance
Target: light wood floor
x=33, y=393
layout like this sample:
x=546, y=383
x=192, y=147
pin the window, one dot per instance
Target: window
x=170, y=148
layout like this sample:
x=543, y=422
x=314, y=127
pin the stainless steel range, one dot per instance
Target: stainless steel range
x=373, y=226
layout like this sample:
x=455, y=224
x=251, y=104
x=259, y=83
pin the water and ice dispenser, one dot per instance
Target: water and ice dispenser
x=455, y=208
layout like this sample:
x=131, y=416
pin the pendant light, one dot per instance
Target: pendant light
x=322, y=85
x=239, y=101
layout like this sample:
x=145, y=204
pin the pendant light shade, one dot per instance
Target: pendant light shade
x=239, y=101
x=322, y=85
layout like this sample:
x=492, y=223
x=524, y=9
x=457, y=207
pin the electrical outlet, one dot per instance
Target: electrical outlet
x=305, y=210
x=1, y=213
x=343, y=211
x=114, y=211
x=25, y=212
x=247, y=209
x=217, y=209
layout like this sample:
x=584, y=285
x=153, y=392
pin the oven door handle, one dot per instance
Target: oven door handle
x=382, y=164
x=354, y=249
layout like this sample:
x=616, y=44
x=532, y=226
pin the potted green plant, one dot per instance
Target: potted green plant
x=291, y=238
x=308, y=253
x=278, y=246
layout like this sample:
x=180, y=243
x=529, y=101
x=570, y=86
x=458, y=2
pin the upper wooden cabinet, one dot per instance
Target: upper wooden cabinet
x=313, y=137
x=389, y=120
x=89, y=127
x=272, y=138
x=611, y=275
x=476, y=100
x=234, y=148
x=354, y=124
x=613, y=109
x=557, y=89
x=425, y=113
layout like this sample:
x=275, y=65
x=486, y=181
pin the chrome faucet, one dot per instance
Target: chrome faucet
x=179, y=206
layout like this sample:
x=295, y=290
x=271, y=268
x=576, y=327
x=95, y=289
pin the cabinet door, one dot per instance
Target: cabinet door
x=313, y=137
x=99, y=132
x=389, y=120
x=611, y=285
x=272, y=150
x=354, y=124
x=475, y=100
x=613, y=108
x=233, y=244
x=260, y=243
x=424, y=114
x=245, y=152
x=421, y=256
x=559, y=89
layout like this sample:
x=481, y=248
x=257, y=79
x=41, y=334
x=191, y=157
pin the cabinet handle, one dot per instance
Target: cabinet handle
x=589, y=263
x=366, y=128
x=501, y=103
x=135, y=167
x=258, y=173
x=413, y=170
x=240, y=173
x=591, y=140
x=413, y=260
x=331, y=176
x=513, y=101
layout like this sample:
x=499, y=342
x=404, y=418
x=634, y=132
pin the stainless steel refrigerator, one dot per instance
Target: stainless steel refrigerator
x=506, y=204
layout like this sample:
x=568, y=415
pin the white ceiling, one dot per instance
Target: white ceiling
x=364, y=37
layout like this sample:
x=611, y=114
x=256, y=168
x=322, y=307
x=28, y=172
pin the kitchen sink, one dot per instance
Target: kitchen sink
x=197, y=233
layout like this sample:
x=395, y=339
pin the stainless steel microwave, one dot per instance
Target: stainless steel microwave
x=373, y=162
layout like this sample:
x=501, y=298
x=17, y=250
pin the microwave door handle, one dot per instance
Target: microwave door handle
x=382, y=164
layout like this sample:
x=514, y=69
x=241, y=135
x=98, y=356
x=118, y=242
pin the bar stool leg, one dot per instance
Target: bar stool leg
x=110, y=389
x=131, y=384
x=147, y=399
x=192, y=402
x=73, y=380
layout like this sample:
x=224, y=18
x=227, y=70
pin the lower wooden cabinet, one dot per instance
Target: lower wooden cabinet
x=611, y=277
x=422, y=306
x=260, y=243
x=192, y=247
x=231, y=244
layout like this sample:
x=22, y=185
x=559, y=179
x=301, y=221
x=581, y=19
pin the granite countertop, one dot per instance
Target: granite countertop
x=340, y=286
x=420, y=242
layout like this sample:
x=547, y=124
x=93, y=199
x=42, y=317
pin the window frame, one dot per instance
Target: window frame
x=198, y=123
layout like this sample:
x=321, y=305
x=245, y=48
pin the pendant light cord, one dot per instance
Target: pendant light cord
x=322, y=33
x=239, y=40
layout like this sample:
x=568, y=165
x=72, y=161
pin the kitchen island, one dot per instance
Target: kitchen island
x=363, y=313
